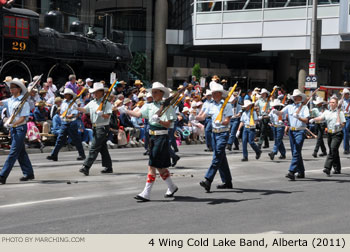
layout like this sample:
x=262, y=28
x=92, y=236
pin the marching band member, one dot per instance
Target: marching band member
x=319, y=126
x=234, y=123
x=335, y=122
x=277, y=124
x=248, y=121
x=220, y=136
x=69, y=127
x=207, y=122
x=100, y=127
x=159, y=156
x=264, y=107
x=298, y=118
x=18, y=130
x=346, y=129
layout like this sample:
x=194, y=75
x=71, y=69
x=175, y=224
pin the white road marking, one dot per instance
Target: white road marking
x=36, y=202
x=272, y=232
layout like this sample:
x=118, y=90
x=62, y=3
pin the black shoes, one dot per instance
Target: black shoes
x=244, y=159
x=236, y=148
x=208, y=150
x=107, y=170
x=327, y=171
x=176, y=149
x=85, y=171
x=51, y=158
x=42, y=146
x=205, y=184
x=271, y=155
x=258, y=155
x=142, y=199
x=291, y=176
x=224, y=186
x=229, y=147
x=282, y=157
x=27, y=177
x=266, y=147
x=2, y=180
x=323, y=154
x=346, y=152
x=314, y=154
x=336, y=172
x=175, y=159
x=81, y=158
x=301, y=175
x=146, y=153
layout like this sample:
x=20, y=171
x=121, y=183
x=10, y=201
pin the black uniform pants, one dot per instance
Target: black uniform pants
x=99, y=145
x=320, y=127
x=333, y=159
x=264, y=127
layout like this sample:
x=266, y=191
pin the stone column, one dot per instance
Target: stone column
x=301, y=79
x=160, y=47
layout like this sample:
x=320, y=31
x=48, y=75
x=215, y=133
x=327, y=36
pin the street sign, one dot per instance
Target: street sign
x=311, y=81
x=312, y=68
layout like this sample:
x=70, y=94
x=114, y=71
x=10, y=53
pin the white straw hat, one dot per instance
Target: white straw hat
x=19, y=83
x=247, y=103
x=161, y=87
x=297, y=92
x=97, y=86
x=69, y=91
x=216, y=87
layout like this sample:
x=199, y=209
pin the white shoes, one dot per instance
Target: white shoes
x=85, y=145
x=110, y=144
x=170, y=192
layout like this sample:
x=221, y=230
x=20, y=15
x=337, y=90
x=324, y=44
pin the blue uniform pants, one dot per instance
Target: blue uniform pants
x=219, y=159
x=71, y=130
x=208, y=130
x=18, y=152
x=234, y=123
x=296, y=139
x=248, y=136
x=346, y=131
x=278, y=133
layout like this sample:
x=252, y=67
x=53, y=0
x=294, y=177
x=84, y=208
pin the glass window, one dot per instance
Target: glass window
x=16, y=27
x=209, y=6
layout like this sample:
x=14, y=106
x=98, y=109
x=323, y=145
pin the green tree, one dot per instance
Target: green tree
x=196, y=71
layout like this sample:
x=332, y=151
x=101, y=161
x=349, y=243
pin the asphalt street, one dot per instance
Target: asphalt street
x=62, y=200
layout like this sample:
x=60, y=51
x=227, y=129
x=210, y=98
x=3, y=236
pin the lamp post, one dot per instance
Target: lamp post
x=314, y=36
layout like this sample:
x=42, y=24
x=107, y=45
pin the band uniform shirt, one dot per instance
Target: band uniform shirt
x=316, y=112
x=261, y=104
x=71, y=111
x=236, y=109
x=274, y=119
x=330, y=116
x=11, y=103
x=291, y=109
x=245, y=118
x=345, y=105
x=92, y=107
x=150, y=109
x=213, y=111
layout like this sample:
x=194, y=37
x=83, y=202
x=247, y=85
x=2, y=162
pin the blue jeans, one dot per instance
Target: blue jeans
x=219, y=159
x=296, y=139
x=234, y=126
x=346, y=131
x=208, y=137
x=71, y=130
x=278, y=134
x=248, y=136
x=18, y=152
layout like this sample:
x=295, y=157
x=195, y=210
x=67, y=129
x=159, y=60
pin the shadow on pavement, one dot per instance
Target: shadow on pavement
x=210, y=201
x=261, y=191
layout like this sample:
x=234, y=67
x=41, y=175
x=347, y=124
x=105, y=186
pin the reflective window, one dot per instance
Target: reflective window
x=16, y=27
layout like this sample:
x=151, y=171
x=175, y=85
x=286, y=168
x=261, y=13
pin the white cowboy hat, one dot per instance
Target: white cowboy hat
x=216, y=87
x=185, y=109
x=193, y=104
x=69, y=91
x=19, y=83
x=346, y=91
x=233, y=98
x=208, y=92
x=126, y=101
x=148, y=95
x=89, y=80
x=297, y=92
x=161, y=87
x=97, y=86
x=247, y=103
x=276, y=102
x=264, y=91
x=318, y=100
